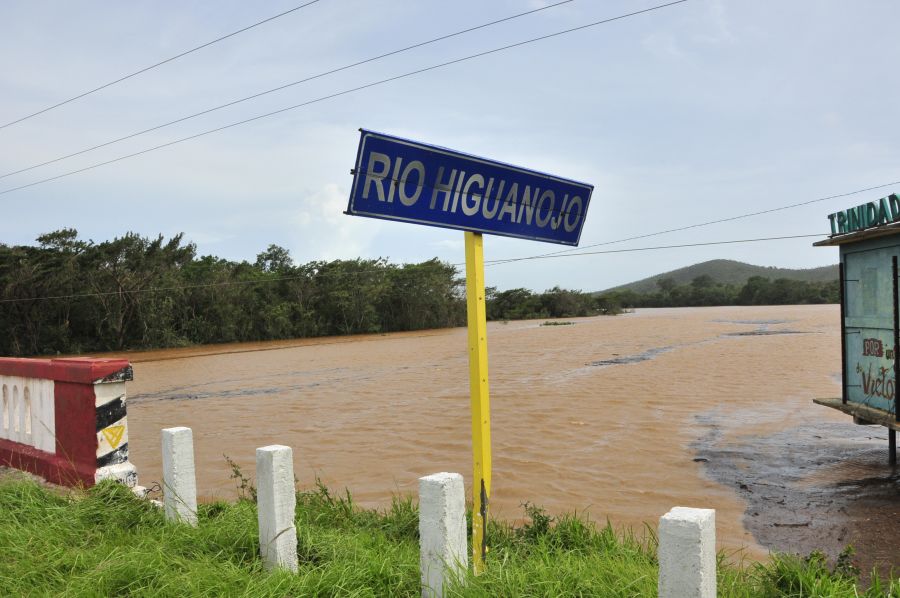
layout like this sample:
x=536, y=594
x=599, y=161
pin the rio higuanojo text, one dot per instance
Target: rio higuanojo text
x=398, y=179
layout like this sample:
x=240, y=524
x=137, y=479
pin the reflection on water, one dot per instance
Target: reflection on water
x=375, y=413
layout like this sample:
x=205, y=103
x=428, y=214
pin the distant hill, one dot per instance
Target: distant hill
x=729, y=272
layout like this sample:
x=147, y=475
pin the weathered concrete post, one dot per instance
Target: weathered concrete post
x=443, y=553
x=276, y=502
x=179, y=476
x=687, y=553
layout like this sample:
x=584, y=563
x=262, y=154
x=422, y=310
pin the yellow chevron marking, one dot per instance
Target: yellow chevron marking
x=114, y=435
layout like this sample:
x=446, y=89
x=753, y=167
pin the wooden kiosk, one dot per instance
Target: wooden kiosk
x=868, y=237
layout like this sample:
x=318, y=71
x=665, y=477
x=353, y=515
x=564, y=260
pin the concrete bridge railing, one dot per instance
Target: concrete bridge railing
x=65, y=419
x=28, y=416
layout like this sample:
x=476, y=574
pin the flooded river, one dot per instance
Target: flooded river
x=623, y=417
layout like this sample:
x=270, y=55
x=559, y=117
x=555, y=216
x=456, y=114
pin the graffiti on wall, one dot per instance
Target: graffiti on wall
x=873, y=347
x=875, y=382
x=877, y=378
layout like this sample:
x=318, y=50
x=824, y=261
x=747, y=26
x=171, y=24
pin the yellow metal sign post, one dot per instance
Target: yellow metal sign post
x=409, y=181
x=478, y=391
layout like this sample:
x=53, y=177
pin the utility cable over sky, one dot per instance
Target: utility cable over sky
x=351, y=90
x=697, y=225
x=674, y=118
x=158, y=64
x=286, y=86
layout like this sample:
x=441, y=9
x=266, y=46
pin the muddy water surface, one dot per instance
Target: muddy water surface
x=623, y=417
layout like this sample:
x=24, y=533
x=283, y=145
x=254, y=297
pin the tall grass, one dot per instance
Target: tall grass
x=105, y=542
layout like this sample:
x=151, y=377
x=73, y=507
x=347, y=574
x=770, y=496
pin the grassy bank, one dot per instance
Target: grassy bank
x=106, y=542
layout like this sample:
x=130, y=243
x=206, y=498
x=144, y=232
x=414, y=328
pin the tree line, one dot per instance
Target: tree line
x=68, y=295
x=704, y=291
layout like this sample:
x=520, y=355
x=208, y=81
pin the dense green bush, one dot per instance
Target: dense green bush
x=66, y=295
x=704, y=291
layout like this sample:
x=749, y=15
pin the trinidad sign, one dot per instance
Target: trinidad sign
x=884, y=211
x=408, y=181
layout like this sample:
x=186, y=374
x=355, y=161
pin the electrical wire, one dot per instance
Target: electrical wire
x=701, y=224
x=286, y=86
x=384, y=270
x=155, y=289
x=349, y=91
x=551, y=256
x=158, y=64
x=324, y=273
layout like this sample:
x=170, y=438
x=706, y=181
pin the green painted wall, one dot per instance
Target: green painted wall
x=869, y=313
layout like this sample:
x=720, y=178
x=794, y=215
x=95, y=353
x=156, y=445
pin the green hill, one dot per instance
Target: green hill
x=729, y=272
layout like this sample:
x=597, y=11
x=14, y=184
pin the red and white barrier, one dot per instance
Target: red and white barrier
x=64, y=419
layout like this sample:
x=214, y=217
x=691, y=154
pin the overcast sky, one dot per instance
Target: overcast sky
x=700, y=111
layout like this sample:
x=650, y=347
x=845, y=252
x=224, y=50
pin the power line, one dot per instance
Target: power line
x=348, y=91
x=707, y=243
x=326, y=271
x=287, y=85
x=229, y=283
x=154, y=289
x=158, y=64
x=355, y=274
x=701, y=224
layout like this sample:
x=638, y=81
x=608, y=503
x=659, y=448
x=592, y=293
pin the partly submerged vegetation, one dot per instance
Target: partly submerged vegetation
x=106, y=542
x=705, y=291
x=729, y=272
x=68, y=295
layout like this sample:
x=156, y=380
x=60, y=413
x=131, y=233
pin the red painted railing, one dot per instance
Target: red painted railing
x=64, y=419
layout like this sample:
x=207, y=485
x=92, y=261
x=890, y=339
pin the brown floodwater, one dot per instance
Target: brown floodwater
x=620, y=417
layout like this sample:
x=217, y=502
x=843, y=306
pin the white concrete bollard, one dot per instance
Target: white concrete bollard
x=443, y=552
x=687, y=553
x=275, y=503
x=179, y=477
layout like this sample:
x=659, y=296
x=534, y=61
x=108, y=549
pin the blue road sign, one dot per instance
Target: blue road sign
x=399, y=179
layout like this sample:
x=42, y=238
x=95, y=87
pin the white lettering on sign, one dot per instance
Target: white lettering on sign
x=569, y=223
x=467, y=208
x=376, y=177
x=419, y=169
x=455, y=190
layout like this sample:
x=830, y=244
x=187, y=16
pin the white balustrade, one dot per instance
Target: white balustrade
x=28, y=412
